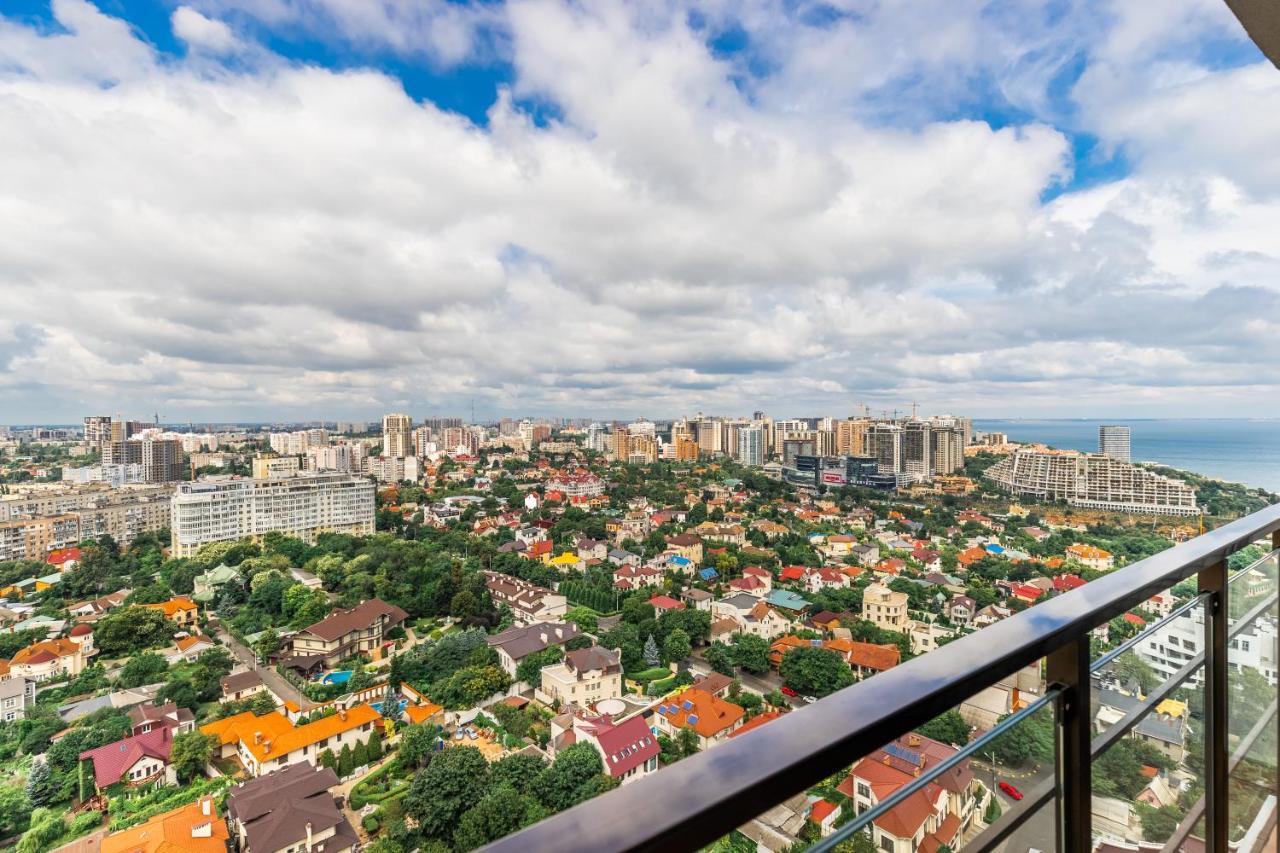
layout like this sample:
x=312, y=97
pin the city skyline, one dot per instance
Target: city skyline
x=314, y=208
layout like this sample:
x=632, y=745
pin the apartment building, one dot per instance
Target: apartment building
x=1171, y=646
x=226, y=508
x=1092, y=481
x=358, y=631
x=397, y=435
x=1113, y=441
x=270, y=742
x=274, y=466
x=161, y=459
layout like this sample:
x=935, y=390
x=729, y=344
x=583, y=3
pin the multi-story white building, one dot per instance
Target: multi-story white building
x=1092, y=481
x=751, y=445
x=222, y=509
x=1169, y=647
x=393, y=469
x=1113, y=441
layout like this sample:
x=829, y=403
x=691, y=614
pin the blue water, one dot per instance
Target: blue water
x=1237, y=450
x=377, y=706
x=337, y=677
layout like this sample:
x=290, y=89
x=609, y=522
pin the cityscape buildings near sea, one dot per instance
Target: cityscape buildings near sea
x=568, y=596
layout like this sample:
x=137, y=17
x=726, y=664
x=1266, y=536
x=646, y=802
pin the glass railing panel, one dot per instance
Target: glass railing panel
x=1251, y=703
x=945, y=784
x=1147, y=779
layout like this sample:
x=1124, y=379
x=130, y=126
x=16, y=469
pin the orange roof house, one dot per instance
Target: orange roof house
x=710, y=716
x=180, y=610
x=193, y=828
x=270, y=742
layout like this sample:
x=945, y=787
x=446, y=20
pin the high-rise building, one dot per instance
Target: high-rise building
x=397, y=435
x=751, y=445
x=97, y=430
x=423, y=445
x=225, y=509
x=161, y=459
x=851, y=436
x=1113, y=441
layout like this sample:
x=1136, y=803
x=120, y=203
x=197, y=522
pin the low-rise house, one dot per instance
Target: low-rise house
x=961, y=609
x=711, y=718
x=48, y=659
x=938, y=814
x=291, y=809
x=208, y=585
x=866, y=555
x=1165, y=727
x=188, y=648
x=148, y=717
x=584, y=677
x=629, y=750
x=623, y=557
x=928, y=558
x=271, y=742
x=592, y=549
x=698, y=599
x=193, y=828
x=17, y=694
x=633, y=577
x=180, y=610
x=242, y=685
x=1091, y=556
x=686, y=545
x=529, y=602
x=135, y=760
x=665, y=604
x=515, y=644
x=1066, y=583
x=926, y=636
x=345, y=633
x=749, y=615
x=990, y=615
x=787, y=601
x=885, y=608
x=817, y=580
x=750, y=585
x=90, y=610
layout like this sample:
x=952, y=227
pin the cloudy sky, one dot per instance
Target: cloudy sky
x=275, y=209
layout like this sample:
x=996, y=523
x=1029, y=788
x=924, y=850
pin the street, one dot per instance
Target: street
x=274, y=680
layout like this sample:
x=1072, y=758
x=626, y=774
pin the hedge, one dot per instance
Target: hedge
x=652, y=674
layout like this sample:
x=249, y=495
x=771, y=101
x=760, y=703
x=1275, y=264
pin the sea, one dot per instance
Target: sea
x=1244, y=450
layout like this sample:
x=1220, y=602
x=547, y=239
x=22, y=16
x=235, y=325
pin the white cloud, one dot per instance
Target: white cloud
x=201, y=32
x=287, y=240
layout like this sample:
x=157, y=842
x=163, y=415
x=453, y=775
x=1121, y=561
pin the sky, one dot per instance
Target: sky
x=295, y=209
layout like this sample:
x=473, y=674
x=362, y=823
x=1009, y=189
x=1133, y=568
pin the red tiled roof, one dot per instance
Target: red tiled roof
x=666, y=602
x=626, y=745
x=112, y=761
x=756, y=722
x=821, y=810
x=1064, y=583
x=58, y=556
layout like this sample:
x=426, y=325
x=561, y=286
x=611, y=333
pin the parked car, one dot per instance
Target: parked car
x=1009, y=789
x=809, y=700
x=787, y=691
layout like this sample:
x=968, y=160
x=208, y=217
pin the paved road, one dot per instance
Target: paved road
x=278, y=683
x=761, y=684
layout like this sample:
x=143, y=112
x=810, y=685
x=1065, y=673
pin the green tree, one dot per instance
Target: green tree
x=15, y=808
x=751, y=653
x=519, y=770
x=1158, y=824
x=576, y=775
x=676, y=647
x=651, y=655
x=131, y=629
x=327, y=759
x=144, y=668
x=1031, y=739
x=530, y=669
x=346, y=761
x=190, y=753
x=720, y=658
x=948, y=727
x=687, y=742
x=416, y=743
x=448, y=786
x=500, y=812
x=40, y=784
x=816, y=671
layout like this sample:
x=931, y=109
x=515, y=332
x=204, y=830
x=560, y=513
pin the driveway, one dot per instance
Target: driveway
x=279, y=684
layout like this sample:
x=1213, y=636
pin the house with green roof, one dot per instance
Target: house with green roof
x=207, y=584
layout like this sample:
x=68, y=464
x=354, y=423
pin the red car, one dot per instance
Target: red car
x=787, y=691
x=1013, y=792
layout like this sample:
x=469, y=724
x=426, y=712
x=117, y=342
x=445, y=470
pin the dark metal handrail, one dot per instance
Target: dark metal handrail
x=707, y=795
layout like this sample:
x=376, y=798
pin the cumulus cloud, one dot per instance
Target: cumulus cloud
x=201, y=32
x=288, y=240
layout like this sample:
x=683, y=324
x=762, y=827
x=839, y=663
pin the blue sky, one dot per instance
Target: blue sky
x=314, y=208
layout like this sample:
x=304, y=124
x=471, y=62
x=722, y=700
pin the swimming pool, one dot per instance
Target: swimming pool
x=341, y=676
x=377, y=706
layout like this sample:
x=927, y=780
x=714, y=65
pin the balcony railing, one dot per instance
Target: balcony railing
x=705, y=797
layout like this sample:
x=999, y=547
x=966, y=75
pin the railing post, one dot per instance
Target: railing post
x=1068, y=669
x=1213, y=580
